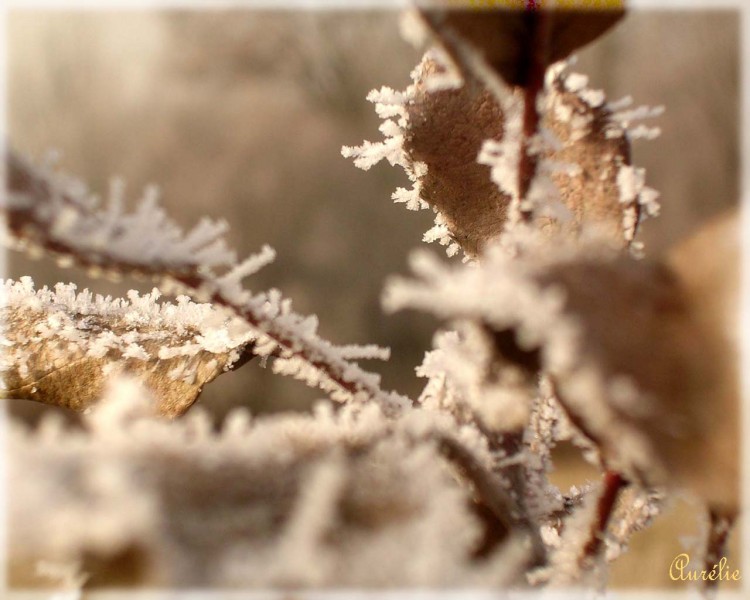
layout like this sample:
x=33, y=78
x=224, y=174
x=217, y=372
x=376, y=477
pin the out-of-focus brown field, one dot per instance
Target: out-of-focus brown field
x=242, y=115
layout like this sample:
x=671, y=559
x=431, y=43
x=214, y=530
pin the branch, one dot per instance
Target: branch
x=720, y=526
x=508, y=513
x=48, y=212
x=537, y=51
x=613, y=484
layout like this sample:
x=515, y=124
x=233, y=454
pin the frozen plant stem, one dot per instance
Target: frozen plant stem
x=506, y=512
x=535, y=68
x=33, y=220
x=613, y=484
x=720, y=525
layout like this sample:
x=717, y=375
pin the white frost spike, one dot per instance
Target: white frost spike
x=576, y=82
x=503, y=157
x=368, y=154
x=368, y=352
x=205, y=232
x=388, y=102
x=625, y=120
x=439, y=233
x=618, y=105
x=247, y=267
x=410, y=198
x=74, y=218
x=632, y=183
x=626, y=117
x=644, y=132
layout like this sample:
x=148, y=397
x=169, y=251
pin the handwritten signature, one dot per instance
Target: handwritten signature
x=679, y=571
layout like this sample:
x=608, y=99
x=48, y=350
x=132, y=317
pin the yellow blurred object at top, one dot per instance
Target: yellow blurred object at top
x=547, y=4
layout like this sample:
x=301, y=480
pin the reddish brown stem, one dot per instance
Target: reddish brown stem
x=506, y=511
x=537, y=52
x=720, y=526
x=613, y=484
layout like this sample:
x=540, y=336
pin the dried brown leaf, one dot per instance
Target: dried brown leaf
x=446, y=129
x=593, y=195
x=654, y=382
x=508, y=40
x=56, y=356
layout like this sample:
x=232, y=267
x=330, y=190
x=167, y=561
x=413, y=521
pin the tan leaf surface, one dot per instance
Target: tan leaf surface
x=446, y=131
x=655, y=381
x=62, y=352
x=447, y=128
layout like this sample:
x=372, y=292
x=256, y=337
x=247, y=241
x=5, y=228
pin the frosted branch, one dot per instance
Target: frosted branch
x=46, y=211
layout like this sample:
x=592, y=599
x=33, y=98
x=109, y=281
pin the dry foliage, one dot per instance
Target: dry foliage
x=556, y=331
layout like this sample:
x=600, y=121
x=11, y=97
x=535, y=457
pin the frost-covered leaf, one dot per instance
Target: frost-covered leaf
x=459, y=145
x=49, y=211
x=60, y=347
x=642, y=354
x=591, y=167
x=444, y=132
x=333, y=499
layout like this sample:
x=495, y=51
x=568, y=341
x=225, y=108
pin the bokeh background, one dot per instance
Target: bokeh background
x=241, y=115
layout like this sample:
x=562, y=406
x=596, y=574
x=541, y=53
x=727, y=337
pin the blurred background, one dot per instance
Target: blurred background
x=241, y=115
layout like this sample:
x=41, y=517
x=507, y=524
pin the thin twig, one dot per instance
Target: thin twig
x=537, y=52
x=720, y=526
x=489, y=490
x=29, y=222
x=613, y=484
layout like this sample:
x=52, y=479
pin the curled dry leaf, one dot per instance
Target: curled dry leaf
x=61, y=348
x=507, y=38
x=642, y=355
x=458, y=144
x=667, y=372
